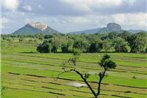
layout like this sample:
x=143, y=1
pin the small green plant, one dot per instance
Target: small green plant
x=2, y=90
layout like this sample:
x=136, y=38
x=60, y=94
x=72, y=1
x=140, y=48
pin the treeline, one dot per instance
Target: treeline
x=93, y=43
x=87, y=43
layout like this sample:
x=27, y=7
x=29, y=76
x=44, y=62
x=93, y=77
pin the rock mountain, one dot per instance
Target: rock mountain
x=111, y=27
x=34, y=28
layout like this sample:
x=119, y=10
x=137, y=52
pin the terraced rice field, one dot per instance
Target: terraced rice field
x=27, y=74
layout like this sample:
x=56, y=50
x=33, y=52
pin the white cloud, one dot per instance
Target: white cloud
x=3, y=22
x=28, y=20
x=131, y=21
x=40, y=6
x=28, y=7
x=11, y=4
x=88, y=4
x=78, y=20
x=106, y=6
x=131, y=2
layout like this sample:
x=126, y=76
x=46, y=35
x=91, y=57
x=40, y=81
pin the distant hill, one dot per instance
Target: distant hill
x=34, y=28
x=90, y=31
x=38, y=27
x=136, y=31
x=111, y=27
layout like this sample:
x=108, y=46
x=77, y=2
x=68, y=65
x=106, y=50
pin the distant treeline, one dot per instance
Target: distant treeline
x=90, y=43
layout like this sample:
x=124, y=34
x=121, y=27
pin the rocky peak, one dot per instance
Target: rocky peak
x=38, y=25
x=113, y=27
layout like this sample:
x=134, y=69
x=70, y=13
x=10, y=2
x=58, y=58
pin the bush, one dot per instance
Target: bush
x=146, y=50
x=124, y=48
x=42, y=48
x=64, y=49
x=95, y=47
x=76, y=52
x=45, y=47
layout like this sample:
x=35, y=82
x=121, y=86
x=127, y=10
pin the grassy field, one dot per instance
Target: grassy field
x=27, y=74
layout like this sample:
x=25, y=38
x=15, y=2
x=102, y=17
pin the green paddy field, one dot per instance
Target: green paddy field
x=28, y=74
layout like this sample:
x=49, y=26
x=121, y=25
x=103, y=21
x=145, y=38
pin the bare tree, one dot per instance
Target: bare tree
x=105, y=63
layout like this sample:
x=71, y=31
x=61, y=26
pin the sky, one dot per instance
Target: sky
x=73, y=15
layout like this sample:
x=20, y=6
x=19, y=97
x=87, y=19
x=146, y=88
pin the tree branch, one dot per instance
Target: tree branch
x=89, y=86
x=101, y=75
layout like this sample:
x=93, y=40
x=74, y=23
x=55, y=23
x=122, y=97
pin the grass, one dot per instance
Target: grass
x=28, y=74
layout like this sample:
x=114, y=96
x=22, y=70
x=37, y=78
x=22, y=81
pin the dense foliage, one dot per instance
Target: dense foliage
x=99, y=42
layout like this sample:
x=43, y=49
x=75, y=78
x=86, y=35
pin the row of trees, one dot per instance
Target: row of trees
x=108, y=42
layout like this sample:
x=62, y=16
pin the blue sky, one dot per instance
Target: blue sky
x=73, y=15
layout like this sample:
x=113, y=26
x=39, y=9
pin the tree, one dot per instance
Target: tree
x=64, y=49
x=54, y=49
x=121, y=45
x=112, y=35
x=94, y=38
x=67, y=43
x=48, y=36
x=106, y=45
x=56, y=43
x=138, y=42
x=45, y=47
x=81, y=44
x=106, y=63
x=146, y=50
x=39, y=36
x=95, y=47
x=125, y=35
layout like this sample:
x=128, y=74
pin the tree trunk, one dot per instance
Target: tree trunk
x=99, y=86
x=89, y=86
x=96, y=95
x=99, y=83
